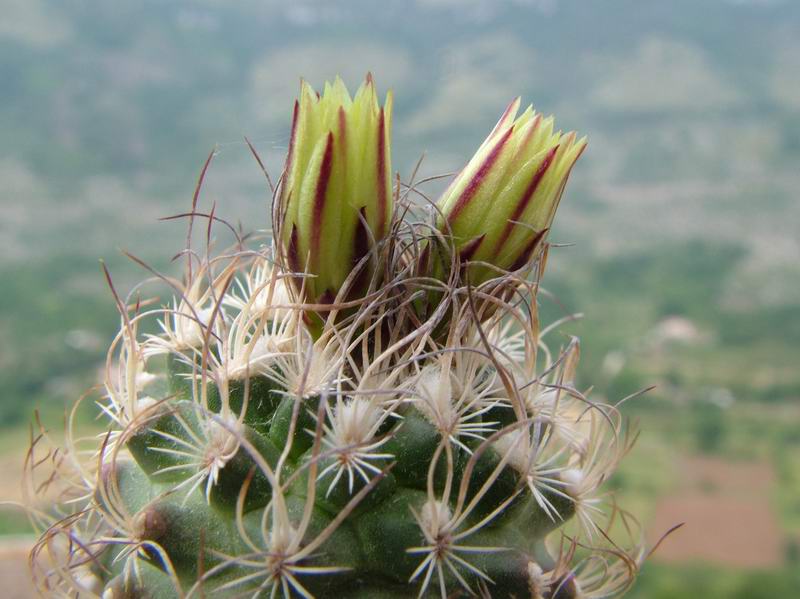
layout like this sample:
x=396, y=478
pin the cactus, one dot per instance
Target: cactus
x=394, y=427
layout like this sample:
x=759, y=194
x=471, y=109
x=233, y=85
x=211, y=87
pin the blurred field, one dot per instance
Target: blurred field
x=712, y=495
x=680, y=220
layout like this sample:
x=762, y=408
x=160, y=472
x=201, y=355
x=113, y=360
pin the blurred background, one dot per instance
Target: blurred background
x=681, y=220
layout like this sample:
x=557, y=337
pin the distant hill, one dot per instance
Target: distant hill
x=108, y=109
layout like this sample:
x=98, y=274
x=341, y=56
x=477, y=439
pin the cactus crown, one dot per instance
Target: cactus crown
x=409, y=434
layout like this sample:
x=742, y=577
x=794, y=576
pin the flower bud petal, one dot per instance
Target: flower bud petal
x=335, y=198
x=500, y=206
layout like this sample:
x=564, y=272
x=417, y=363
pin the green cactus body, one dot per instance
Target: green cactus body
x=372, y=449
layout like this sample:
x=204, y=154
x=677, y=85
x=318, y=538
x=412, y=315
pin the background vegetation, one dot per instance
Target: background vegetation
x=681, y=218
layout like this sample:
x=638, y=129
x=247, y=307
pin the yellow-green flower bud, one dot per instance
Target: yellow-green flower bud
x=336, y=197
x=500, y=206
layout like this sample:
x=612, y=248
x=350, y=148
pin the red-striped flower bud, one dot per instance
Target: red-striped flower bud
x=500, y=206
x=336, y=199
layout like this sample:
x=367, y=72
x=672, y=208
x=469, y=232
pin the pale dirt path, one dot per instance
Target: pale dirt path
x=15, y=579
x=14, y=573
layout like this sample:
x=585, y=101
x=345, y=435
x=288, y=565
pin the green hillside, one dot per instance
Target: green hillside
x=680, y=224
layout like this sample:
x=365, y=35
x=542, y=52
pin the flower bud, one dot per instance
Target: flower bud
x=336, y=197
x=500, y=206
